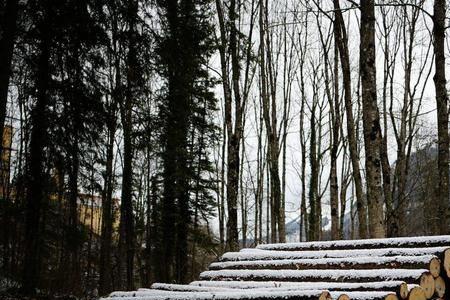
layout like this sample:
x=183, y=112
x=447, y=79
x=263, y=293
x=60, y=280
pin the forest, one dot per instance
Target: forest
x=141, y=139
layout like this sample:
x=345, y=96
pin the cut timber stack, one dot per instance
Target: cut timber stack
x=414, y=268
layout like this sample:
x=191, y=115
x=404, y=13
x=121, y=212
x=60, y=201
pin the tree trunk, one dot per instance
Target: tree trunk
x=314, y=222
x=442, y=113
x=105, y=270
x=35, y=197
x=371, y=120
x=346, y=76
x=127, y=238
x=234, y=136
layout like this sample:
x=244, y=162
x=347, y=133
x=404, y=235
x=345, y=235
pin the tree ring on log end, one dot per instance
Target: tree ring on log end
x=435, y=267
x=343, y=297
x=391, y=297
x=427, y=284
x=439, y=287
x=325, y=296
x=417, y=293
x=447, y=262
x=403, y=290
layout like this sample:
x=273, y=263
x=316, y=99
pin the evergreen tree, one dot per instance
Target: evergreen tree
x=184, y=49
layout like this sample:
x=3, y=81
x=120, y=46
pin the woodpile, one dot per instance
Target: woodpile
x=416, y=268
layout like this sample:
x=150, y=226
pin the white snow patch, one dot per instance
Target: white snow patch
x=334, y=261
x=299, y=285
x=331, y=274
x=258, y=254
x=234, y=295
x=401, y=241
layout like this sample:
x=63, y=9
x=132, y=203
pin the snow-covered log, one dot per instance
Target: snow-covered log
x=304, y=285
x=399, y=287
x=237, y=295
x=430, y=262
x=402, y=242
x=187, y=288
x=333, y=275
x=380, y=295
x=381, y=269
x=256, y=254
x=419, y=276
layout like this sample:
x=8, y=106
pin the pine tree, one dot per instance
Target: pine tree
x=184, y=50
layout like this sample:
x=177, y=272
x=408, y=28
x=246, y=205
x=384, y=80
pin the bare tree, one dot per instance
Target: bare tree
x=442, y=112
x=371, y=120
x=340, y=33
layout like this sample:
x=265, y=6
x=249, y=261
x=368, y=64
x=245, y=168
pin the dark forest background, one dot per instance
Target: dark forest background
x=143, y=138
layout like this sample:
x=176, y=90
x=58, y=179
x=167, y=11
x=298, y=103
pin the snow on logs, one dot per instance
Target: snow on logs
x=402, y=242
x=399, y=287
x=421, y=277
x=416, y=268
x=430, y=262
x=234, y=295
x=256, y=254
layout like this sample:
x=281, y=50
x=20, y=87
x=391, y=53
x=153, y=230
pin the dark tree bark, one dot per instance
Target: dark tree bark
x=442, y=113
x=234, y=131
x=105, y=270
x=127, y=238
x=333, y=101
x=336, y=124
x=371, y=120
x=35, y=198
x=342, y=40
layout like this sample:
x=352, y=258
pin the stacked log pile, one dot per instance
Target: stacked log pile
x=416, y=268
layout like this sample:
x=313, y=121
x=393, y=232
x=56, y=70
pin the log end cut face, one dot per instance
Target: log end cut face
x=343, y=297
x=403, y=290
x=427, y=284
x=391, y=297
x=325, y=295
x=439, y=284
x=446, y=263
x=435, y=267
x=417, y=293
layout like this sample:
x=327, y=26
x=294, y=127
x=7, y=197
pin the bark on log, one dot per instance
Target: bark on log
x=252, y=254
x=399, y=287
x=403, y=242
x=245, y=295
x=185, y=288
x=422, y=277
x=334, y=286
x=432, y=263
